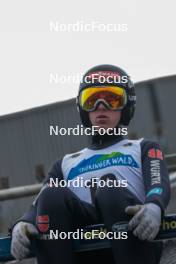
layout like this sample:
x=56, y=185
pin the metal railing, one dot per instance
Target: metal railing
x=18, y=192
x=171, y=162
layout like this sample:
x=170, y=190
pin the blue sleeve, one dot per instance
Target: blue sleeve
x=155, y=174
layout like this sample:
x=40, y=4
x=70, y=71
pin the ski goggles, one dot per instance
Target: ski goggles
x=113, y=97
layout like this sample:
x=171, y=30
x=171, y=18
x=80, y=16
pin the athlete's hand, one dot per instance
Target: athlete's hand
x=21, y=234
x=146, y=220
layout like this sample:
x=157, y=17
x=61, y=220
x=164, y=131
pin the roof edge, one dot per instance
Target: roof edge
x=43, y=107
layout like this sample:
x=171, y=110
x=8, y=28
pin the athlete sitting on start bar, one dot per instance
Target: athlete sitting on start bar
x=141, y=162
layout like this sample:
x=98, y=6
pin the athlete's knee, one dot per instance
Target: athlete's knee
x=114, y=200
x=52, y=197
x=108, y=193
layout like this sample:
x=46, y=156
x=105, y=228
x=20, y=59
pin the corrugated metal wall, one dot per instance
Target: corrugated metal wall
x=25, y=141
x=155, y=119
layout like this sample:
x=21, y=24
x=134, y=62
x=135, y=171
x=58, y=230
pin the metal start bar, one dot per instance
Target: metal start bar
x=167, y=231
